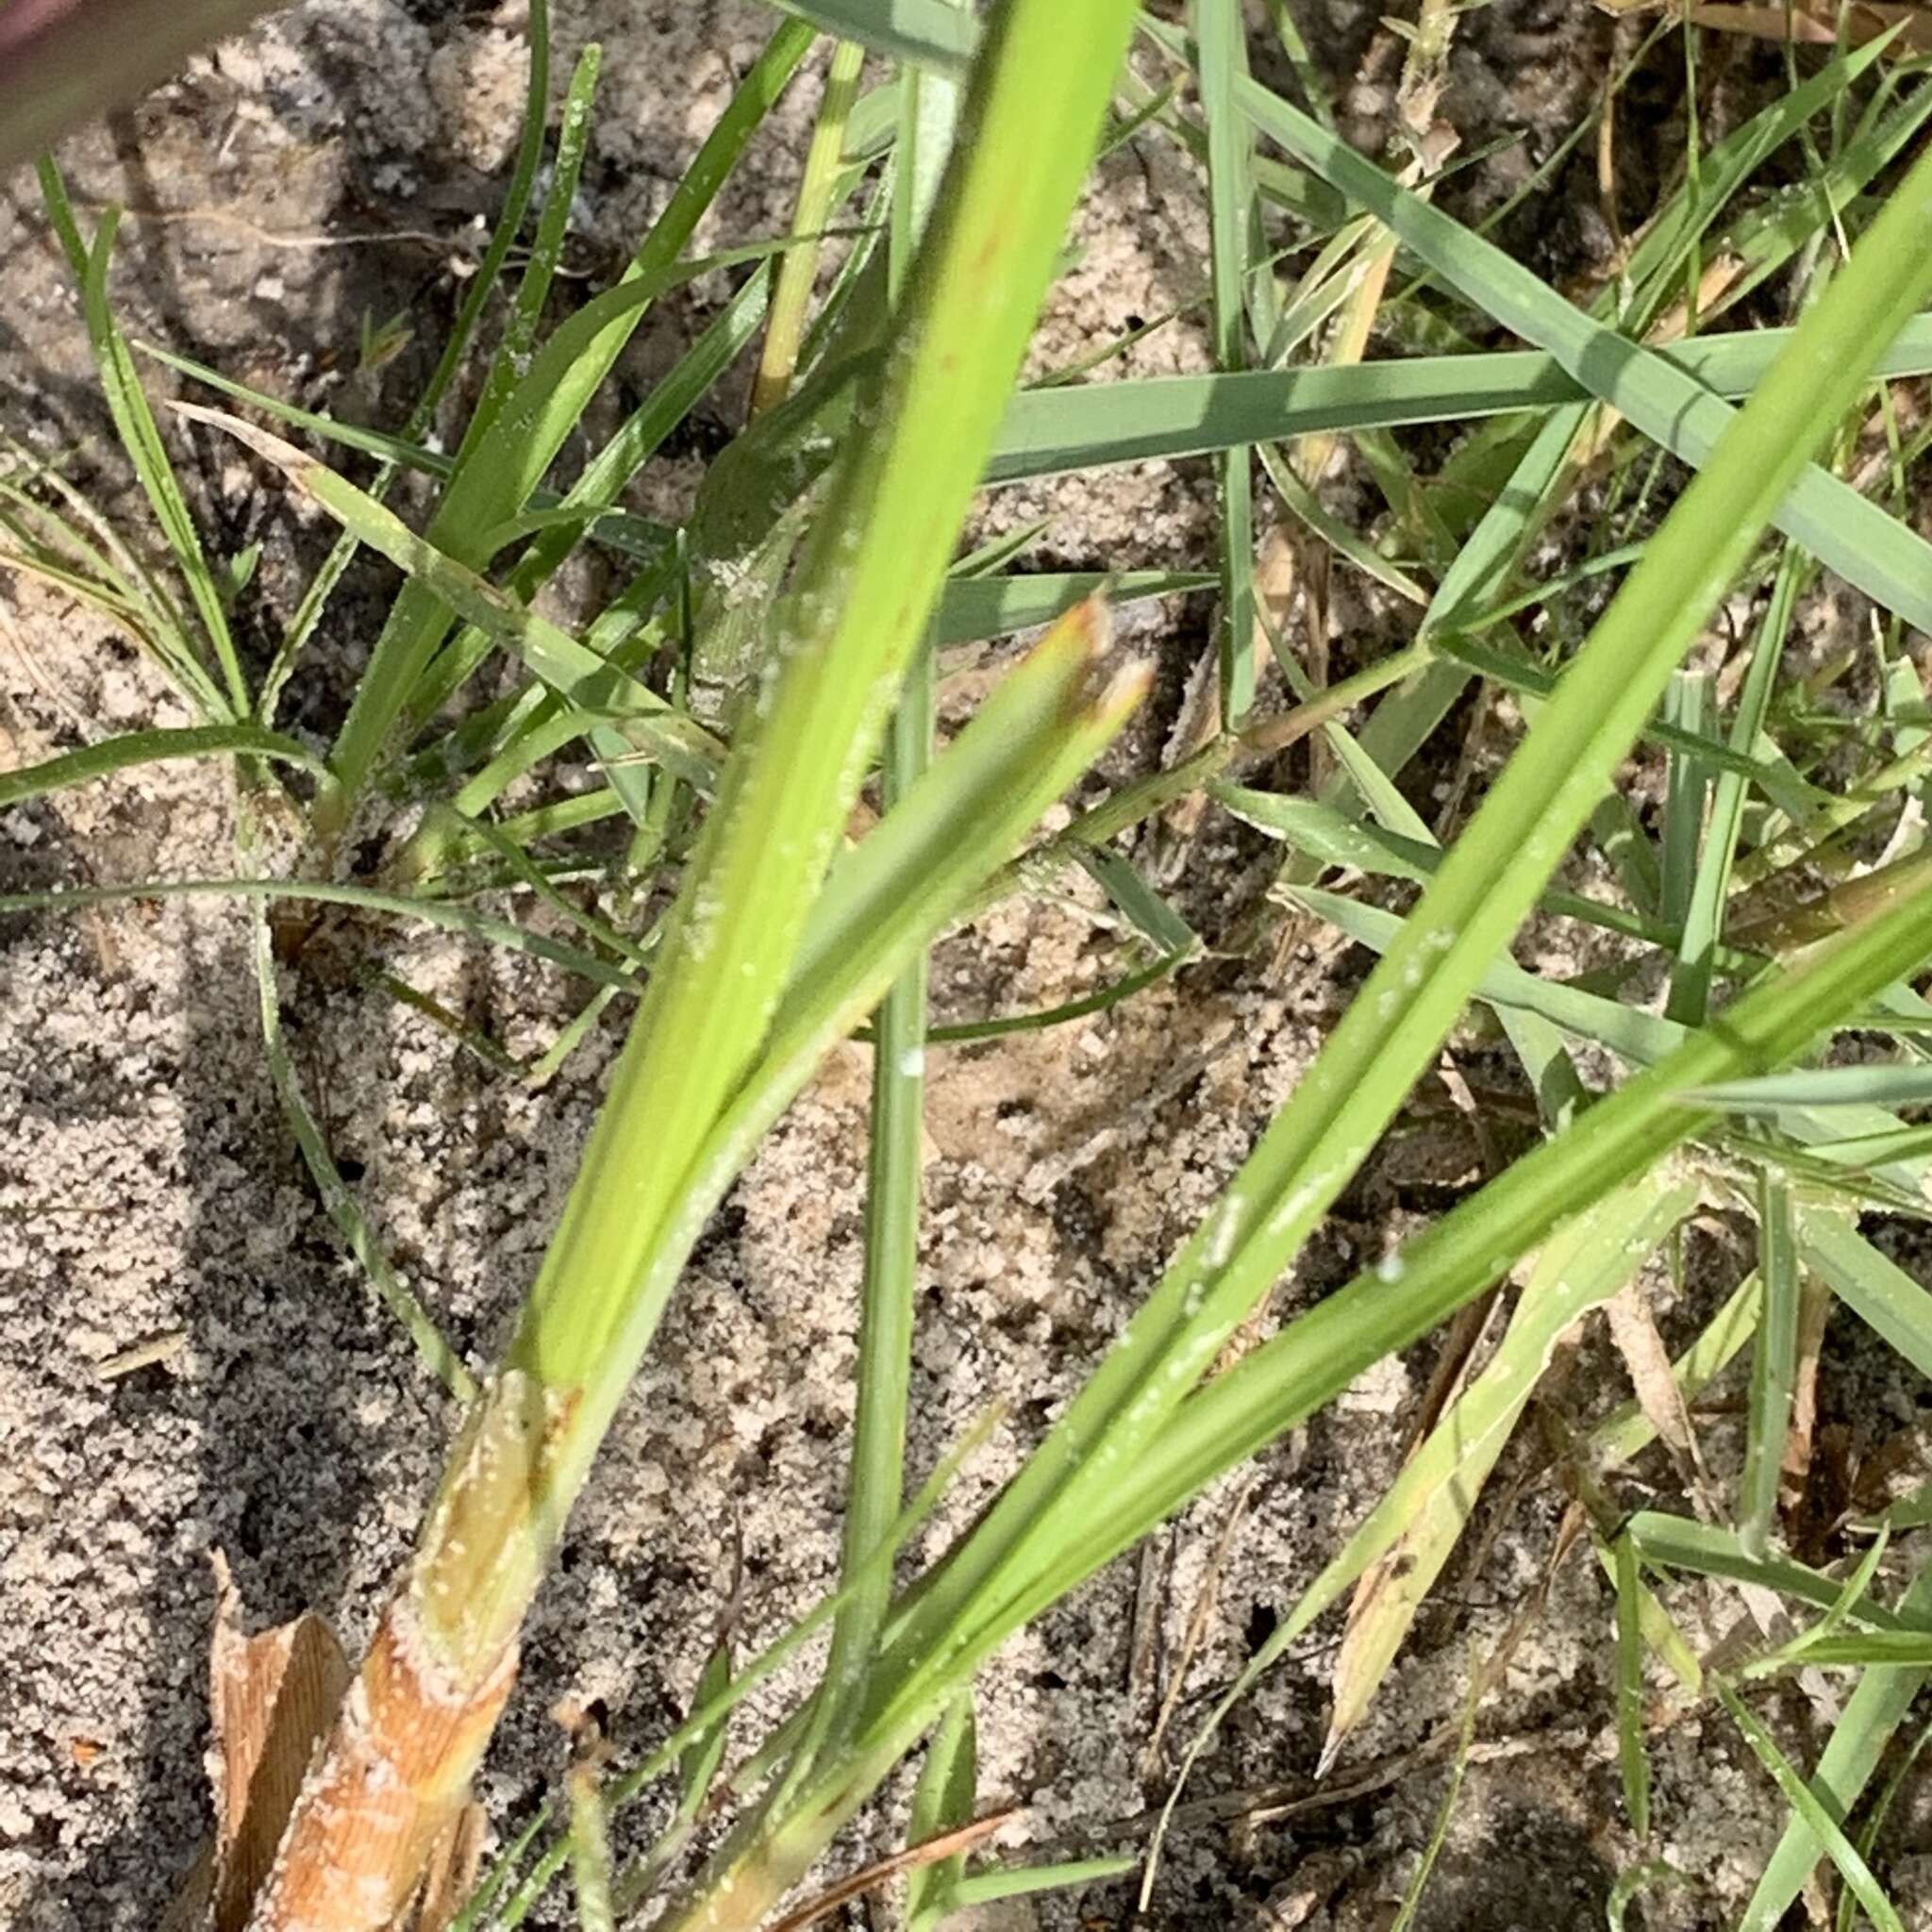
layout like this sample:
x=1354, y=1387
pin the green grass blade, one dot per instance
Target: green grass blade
x=479, y=1909
x=533, y=287
x=1703, y=926
x=927, y=121
x=134, y=423
x=73, y=548
x=1641, y=1038
x=1689, y=706
x=1818, y=1820
x=1050, y=431
x=135, y=748
x=1857, y=1086
x=342, y=1207
x=1661, y=254
x=1890, y=1648
x=1635, y=1035
x=889, y=896
x=505, y=466
x=872, y=569
x=1406, y=1539
x=697, y=1775
x=883, y=904
x=995, y=607
x=1221, y=30
x=1812, y=1644
x=472, y=1039
x=520, y=866
x=1632, y=1756
x=1475, y=577
x=1704, y=1549
x=1025, y=743
x=896, y=1151
x=697, y=1768
x=1774, y=1365
x=509, y=223
x=1024, y=1881
x=590, y=1851
x=934, y=34
x=1328, y=838
x=1856, y=539
x=1055, y=430
x=1870, y=1150
x=1686, y=739
x=943, y=1800
x=1150, y=915
x=894, y=1175
x=798, y=270
x=1871, y=1284
x=1123, y=989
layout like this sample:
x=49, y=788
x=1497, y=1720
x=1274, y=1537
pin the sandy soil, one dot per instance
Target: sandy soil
x=337, y=164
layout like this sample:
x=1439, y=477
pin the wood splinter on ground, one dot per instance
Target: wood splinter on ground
x=275, y=1698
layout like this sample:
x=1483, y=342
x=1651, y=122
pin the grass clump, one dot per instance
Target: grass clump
x=762, y=663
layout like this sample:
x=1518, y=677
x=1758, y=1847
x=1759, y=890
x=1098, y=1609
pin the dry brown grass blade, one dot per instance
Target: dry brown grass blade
x=393, y=1780
x=273, y=1698
x=1814, y=1313
x=1389, y=1591
x=1815, y=23
x=1199, y=721
x=1819, y=26
x=1657, y=1393
x=1606, y=148
x=452, y=1875
x=1206, y=1596
x=948, y=1845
